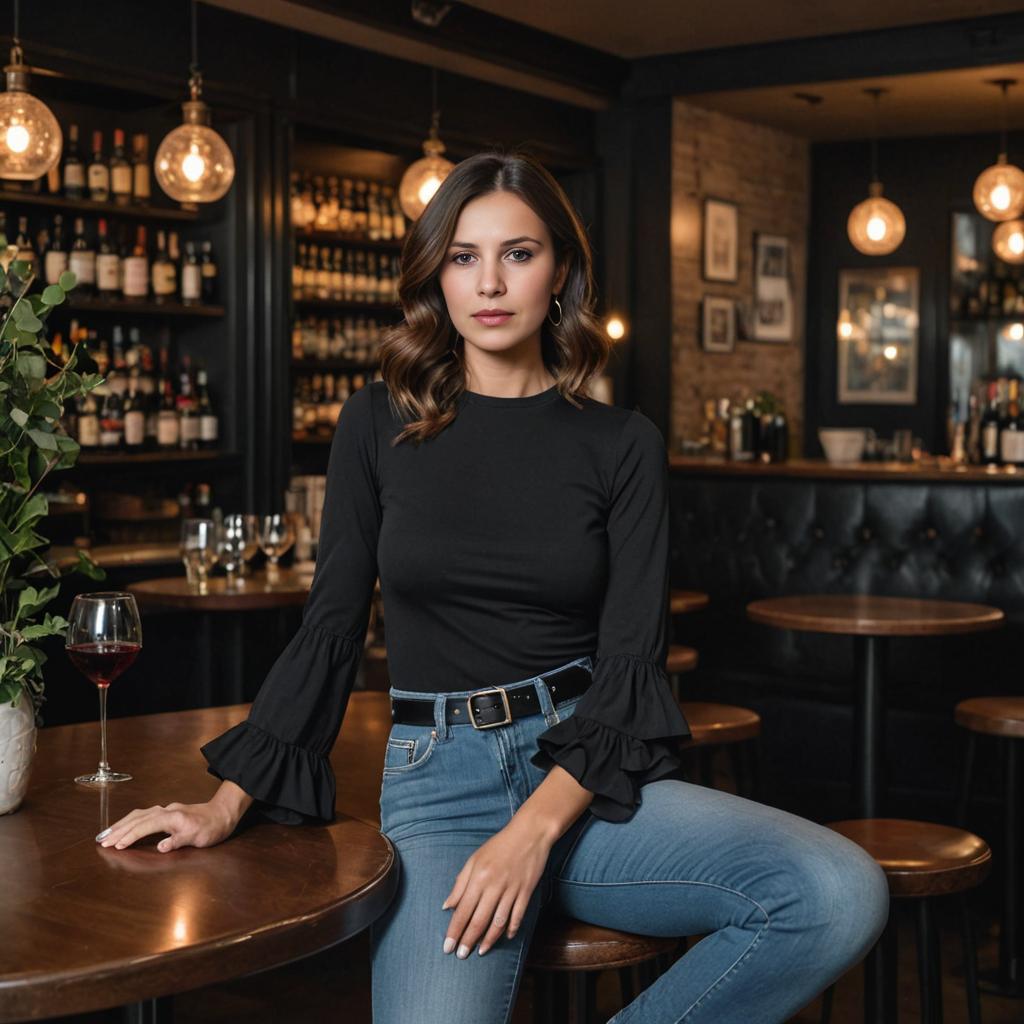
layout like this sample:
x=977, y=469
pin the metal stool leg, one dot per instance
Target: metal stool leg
x=627, y=988
x=928, y=964
x=739, y=776
x=581, y=1004
x=970, y=960
x=964, y=797
x=826, y=1003
x=705, y=764
x=880, y=996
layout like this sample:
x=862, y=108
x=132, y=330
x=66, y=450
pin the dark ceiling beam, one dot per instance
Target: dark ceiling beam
x=891, y=51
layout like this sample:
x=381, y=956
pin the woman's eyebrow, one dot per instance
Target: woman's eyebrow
x=508, y=241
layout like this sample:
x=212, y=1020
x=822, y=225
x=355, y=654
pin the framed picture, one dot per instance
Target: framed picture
x=721, y=241
x=718, y=333
x=773, y=300
x=877, y=336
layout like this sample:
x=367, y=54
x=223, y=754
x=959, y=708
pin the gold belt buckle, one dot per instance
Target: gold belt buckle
x=484, y=693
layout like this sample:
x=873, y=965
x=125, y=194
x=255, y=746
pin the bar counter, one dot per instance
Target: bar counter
x=934, y=470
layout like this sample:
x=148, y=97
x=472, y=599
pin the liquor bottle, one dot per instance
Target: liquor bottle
x=309, y=272
x=209, y=425
x=140, y=168
x=397, y=218
x=187, y=410
x=1011, y=434
x=361, y=212
x=191, y=277
x=73, y=170
x=387, y=224
x=108, y=264
x=168, y=423
x=112, y=422
x=208, y=272
x=135, y=269
x=298, y=270
x=990, y=428
x=134, y=413
x=25, y=251
x=164, y=273
x=337, y=275
x=88, y=422
x=373, y=222
x=56, y=260
x=99, y=172
x=82, y=260
x=348, y=277
x=120, y=171
x=323, y=275
x=118, y=377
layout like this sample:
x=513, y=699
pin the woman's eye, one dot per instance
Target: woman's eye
x=520, y=256
x=457, y=258
x=525, y=253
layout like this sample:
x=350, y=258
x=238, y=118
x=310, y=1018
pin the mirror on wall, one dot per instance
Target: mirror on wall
x=877, y=335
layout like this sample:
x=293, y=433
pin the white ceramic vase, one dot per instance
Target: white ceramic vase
x=17, y=745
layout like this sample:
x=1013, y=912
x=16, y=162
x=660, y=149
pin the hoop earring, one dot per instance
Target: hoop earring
x=555, y=323
x=454, y=350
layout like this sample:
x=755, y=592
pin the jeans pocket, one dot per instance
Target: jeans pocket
x=409, y=747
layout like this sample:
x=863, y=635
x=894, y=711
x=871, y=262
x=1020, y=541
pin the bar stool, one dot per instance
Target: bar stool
x=1002, y=717
x=921, y=861
x=567, y=955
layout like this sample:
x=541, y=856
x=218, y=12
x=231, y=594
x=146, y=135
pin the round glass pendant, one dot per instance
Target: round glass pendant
x=999, y=191
x=423, y=178
x=1008, y=241
x=194, y=164
x=30, y=138
x=876, y=226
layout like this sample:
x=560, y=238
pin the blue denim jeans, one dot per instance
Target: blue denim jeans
x=786, y=906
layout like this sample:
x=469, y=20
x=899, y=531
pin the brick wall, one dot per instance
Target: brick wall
x=767, y=173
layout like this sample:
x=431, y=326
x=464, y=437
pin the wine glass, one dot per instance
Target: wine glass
x=252, y=539
x=231, y=545
x=198, y=550
x=104, y=637
x=276, y=536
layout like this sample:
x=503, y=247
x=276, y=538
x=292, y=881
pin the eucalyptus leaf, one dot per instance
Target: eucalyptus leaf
x=53, y=295
x=67, y=280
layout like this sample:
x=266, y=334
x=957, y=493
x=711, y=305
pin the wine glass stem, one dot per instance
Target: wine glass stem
x=104, y=767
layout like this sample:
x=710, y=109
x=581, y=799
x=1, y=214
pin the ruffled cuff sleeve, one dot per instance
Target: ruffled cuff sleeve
x=281, y=754
x=623, y=733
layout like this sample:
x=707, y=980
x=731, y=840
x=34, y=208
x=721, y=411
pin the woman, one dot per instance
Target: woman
x=520, y=531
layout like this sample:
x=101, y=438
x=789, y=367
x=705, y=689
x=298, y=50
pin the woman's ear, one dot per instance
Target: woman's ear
x=561, y=276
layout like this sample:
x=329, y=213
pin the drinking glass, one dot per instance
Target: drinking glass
x=277, y=535
x=104, y=637
x=198, y=549
x=231, y=545
x=252, y=540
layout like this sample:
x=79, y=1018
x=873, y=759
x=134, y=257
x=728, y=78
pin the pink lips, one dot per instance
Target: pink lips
x=492, y=317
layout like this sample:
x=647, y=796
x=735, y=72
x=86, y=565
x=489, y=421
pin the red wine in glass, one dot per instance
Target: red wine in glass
x=104, y=637
x=103, y=662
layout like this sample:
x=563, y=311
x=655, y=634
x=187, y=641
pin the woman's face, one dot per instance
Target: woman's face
x=501, y=259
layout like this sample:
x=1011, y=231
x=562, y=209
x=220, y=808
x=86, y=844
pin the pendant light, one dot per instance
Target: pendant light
x=30, y=138
x=194, y=164
x=999, y=189
x=1008, y=241
x=876, y=226
x=423, y=178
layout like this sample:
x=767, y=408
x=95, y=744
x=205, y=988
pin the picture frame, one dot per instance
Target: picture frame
x=718, y=324
x=772, y=312
x=720, y=260
x=877, y=336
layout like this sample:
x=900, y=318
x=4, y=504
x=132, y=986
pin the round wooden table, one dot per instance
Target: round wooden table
x=87, y=928
x=255, y=592
x=681, y=602
x=871, y=621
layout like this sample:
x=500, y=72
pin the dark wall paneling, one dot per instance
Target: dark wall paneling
x=928, y=178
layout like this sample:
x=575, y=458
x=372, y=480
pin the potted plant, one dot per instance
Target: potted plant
x=33, y=444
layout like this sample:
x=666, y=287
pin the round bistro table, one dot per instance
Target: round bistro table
x=871, y=621
x=87, y=928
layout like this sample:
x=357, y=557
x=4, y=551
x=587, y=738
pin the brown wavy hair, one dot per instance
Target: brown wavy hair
x=421, y=358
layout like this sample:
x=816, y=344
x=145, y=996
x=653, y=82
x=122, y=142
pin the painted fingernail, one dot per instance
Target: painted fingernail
x=463, y=952
x=449, y=945
x=103, y=835
x=481, y=951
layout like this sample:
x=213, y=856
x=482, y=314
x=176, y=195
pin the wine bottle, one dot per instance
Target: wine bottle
x=164, y=273
x=191, y=277
x=99, y=172
x=209, y=425
x=82, y=260
x=990, y=428
x=120, y=171
x=73, y=170
x=135, y=268
x=140, y=168
x=56, y=261
x=208, y=272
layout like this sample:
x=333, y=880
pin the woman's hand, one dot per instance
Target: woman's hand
x=199, y=825
x=493, y=889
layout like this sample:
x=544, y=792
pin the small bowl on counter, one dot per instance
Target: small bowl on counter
x=842, y=444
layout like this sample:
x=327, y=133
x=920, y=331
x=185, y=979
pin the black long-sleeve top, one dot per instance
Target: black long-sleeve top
x=527, y=534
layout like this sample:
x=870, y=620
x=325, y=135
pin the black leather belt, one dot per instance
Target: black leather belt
x=497, y=705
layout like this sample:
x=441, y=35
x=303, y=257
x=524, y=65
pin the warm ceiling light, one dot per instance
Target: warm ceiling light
x=876, y=226
x=1008, y=241
x=999, y=189
x=616, y=328
x=30, y=138
x=194, y=164
x=423, y=178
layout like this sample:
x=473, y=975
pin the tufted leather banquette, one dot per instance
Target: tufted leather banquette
x=746, y=536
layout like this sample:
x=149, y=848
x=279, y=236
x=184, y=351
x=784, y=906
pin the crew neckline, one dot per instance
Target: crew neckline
x=541, y=398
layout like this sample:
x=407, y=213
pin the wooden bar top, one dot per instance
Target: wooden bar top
x=940, y=470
